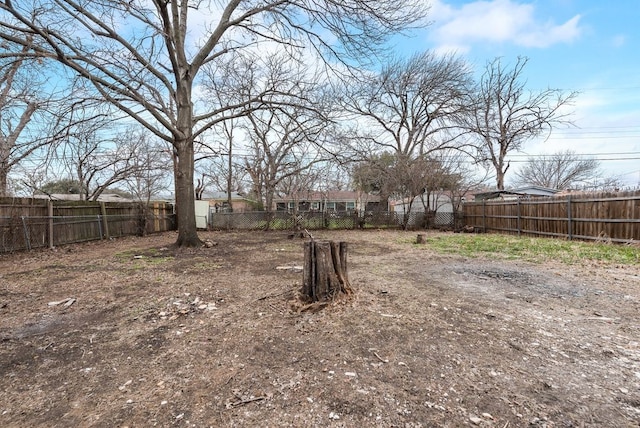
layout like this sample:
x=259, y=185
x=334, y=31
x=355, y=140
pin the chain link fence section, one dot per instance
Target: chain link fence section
x=280, y=220
x=339, y=220
x=23, y=233
x=431, y=220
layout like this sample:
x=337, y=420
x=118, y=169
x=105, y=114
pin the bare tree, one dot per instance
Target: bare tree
x=98, y=161
x=33, y=117
x=222, y=176
x=29, y=177
x=561, y=170
x=149, y=177
x=445, y=175
x=412, y=106
x=215, y=162
x=465, y=177
x=282, y=147
x=288, y=131
x=146, y=58
x=505, y=114
x=604, y=184
x=370, y=175
x=410, y=110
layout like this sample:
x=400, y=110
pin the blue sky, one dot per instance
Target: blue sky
x=589, y=46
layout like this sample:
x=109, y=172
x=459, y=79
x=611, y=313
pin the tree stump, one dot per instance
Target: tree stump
x=420, y=239
x=325, y=271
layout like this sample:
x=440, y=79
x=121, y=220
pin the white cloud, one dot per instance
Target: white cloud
x=542, y=36
x=498, y=21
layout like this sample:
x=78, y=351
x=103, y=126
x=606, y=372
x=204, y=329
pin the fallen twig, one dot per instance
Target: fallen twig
x=390, y=315
x=65, y=302
x=380, y=358
x=310, y=235
x=245, y=401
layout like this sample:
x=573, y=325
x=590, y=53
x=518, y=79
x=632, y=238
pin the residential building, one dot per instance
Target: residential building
x=520, y=192
x=333, y=200
x=439, y=203
x=219, y=202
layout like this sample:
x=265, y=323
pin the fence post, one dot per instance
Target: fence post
x=484, y=215
x=27, y=240
x=50, y=215
x=569, y=225
x=518, y=222
x=103, y=211
x=100, y=227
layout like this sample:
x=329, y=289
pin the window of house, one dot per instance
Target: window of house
x=351, y=206
x=331, y=206
x=315, y=206
x=292, y=205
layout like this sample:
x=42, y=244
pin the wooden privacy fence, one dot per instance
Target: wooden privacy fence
x=603, y=216
x=31, y=223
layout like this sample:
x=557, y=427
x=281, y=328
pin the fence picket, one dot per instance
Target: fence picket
x=605, y=216
x=27, y=223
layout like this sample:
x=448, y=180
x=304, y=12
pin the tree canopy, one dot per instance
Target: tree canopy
x=146, y=57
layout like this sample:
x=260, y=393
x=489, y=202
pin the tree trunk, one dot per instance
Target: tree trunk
x=501, y=169
x=185, y=198
x=268, y=195
x=499, y=179
x=4, y=191
x=183, y=145
x=325, y=271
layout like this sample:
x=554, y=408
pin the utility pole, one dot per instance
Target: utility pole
x=229, y=176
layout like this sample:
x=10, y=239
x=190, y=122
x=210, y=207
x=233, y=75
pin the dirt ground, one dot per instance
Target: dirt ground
x=131, y=333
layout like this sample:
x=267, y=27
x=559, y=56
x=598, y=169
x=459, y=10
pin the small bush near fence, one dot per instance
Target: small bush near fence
x=32, y=223
x=280, y=220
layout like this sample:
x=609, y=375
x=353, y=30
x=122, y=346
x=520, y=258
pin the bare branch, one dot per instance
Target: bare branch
x=505, y=114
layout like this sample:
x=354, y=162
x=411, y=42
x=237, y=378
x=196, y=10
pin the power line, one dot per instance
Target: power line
x=613, y=131
x=598, y=159
x=604, y=137
x=578, y=154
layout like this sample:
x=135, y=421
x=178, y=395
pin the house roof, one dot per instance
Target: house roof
x=520, y=191
x=331, y=195
x=222, y=196
x=104, y=197
x=535, y=190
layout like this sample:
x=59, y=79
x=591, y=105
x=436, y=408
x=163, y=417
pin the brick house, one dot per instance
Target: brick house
x=333, y=200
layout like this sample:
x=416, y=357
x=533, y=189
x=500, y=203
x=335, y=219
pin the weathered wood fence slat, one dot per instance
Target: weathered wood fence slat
x=605, y=216
x=27, y=223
